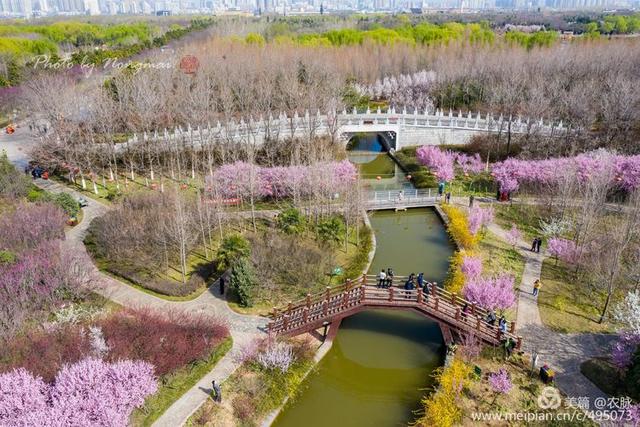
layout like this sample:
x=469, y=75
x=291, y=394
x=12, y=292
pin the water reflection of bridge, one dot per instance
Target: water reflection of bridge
x=334, y=304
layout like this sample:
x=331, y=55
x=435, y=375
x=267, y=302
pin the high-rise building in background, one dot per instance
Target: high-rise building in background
x=28, y=8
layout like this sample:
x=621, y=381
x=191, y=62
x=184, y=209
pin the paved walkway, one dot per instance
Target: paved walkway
x=563, y=352
x=242, y=328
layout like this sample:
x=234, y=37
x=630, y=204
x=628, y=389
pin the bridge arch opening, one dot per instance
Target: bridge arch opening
x=372, y=153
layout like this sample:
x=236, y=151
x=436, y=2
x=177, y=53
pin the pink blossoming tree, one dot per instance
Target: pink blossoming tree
x=90, y=392
x=479, y=218
x=491, y=293
x=471, y=267
x=514, y=235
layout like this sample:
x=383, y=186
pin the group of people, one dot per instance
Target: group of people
x=385, y=278
x=492, y=318
x=535, y=245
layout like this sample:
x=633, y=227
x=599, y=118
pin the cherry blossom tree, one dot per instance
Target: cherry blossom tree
x=514, y=235
x=491, y=293
x=471, y=267
x=441, y=162
x=563, y=249
x=479, y=218
x=89, y=392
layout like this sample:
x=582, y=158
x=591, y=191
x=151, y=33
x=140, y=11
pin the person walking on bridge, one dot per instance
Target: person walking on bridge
x=420, y=280
x=389, y=277
x=382, y=277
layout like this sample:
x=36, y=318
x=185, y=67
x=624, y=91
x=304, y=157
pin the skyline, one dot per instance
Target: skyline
x=46, y=8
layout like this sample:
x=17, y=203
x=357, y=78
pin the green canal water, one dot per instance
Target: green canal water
x=381, y=360
x=368, y=154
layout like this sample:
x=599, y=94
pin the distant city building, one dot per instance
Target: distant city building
x=29, y=8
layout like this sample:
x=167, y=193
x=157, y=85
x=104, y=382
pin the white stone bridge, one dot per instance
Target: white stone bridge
x=410, y=128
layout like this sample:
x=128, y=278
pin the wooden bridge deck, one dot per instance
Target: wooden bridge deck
x=350, y=298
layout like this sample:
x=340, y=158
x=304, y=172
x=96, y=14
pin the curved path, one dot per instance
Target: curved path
x=243, y=328
x=563, y=352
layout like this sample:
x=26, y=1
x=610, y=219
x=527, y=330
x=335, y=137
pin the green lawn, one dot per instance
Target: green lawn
x=175, y=385
x=566, y=305
x=526, y=217
x=500, y=257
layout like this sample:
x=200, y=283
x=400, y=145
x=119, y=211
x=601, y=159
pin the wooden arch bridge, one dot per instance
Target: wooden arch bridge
x=334, y=304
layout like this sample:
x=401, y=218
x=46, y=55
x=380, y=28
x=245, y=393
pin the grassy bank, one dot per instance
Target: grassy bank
x=173, y=386
x=568, y=305
x=253, y=391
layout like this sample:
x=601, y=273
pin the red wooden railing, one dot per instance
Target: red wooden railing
x=341, y=301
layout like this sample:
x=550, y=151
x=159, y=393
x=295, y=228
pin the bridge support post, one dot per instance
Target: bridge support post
x=363, y=290
x=419, y=296
x=478, y=322
x=308, y=300
x=453, y=298
x=434, y=289
x=519, y=343
x=325, y=307
x=457, y=313
x=305, y=315
x=327, y=292
x=512, y=327
x=390, y=293
x=473, y=308
x=436, y=300
x=364, y=279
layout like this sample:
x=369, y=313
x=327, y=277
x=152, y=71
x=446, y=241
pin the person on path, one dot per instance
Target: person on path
x=534, y=245
x=389, y=277
x=421, y=280
x=538, y=244
x=448, y=197
x=221, y=281
x=382, y=276
x=471, y=198
x=217, y=392
x=536, y=287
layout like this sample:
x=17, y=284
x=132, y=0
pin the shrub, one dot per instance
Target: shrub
x=277, y=355
x=67, y=203
x=167, y=340
x=291, y=221
x=331, y=231
x=233, y=248
x=29, y=225
x=244, y=408
x=13, y=184
x=458, y=227
x=441, y=409
x=43, y=353
x=455, y=277
x=243, y=282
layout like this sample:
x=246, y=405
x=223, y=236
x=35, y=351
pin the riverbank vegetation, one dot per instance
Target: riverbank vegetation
x=271, y=372
x=480, y=382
